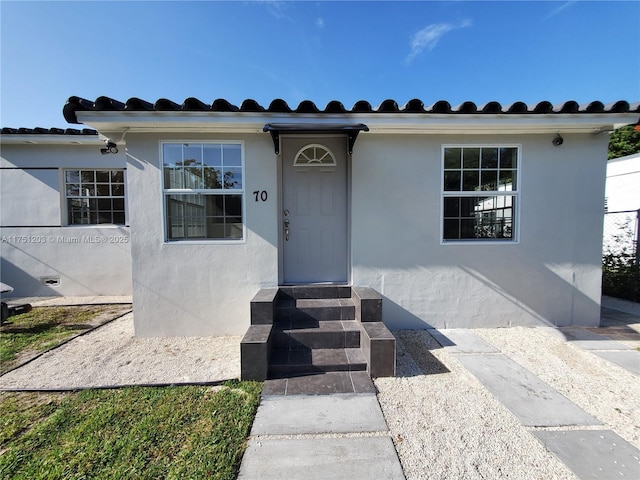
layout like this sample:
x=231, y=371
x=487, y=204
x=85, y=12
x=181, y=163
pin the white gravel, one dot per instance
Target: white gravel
x=112, y=356
x=445, y=424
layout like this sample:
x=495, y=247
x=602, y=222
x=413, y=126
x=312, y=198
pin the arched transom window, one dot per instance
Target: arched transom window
x=314, y=155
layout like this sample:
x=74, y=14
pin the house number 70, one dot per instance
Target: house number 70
x=260, y=195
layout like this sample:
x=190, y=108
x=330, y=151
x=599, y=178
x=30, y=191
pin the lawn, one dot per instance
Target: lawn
x=24, y=336
x=170, y=432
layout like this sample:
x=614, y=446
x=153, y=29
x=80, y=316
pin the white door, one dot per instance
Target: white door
x=314, y=210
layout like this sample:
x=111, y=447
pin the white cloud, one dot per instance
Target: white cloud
x=429, y=36
x=319, y=22
x=560, y=8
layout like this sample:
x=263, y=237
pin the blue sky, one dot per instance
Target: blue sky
x=319, y=50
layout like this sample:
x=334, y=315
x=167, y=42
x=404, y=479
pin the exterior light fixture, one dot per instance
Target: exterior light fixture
x=557, y=140
x=111, y=147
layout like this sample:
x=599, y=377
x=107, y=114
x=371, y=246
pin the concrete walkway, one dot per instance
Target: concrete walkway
x=338, y=436
x=571, y=434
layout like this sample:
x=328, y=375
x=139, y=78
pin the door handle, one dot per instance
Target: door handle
x=286, y=229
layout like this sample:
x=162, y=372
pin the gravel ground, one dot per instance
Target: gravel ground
x=443, y=422
x=112, y=356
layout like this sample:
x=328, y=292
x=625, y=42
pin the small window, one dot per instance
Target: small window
x=203, y=191
x=95, y=197
x=480, y=193
x=314, y=155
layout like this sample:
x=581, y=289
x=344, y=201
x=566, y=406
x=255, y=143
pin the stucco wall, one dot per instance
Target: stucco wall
x=36, y=245
x=191, y=288
x=550, y=276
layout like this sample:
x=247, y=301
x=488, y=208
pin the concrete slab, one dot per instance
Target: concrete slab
x=531, y=400
x=590, y=340
x=458, y=340
x=321, y=458
x=314, y=414
x=593, y=454
x=629, y=359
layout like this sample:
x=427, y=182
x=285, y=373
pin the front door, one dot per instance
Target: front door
x=314, y=210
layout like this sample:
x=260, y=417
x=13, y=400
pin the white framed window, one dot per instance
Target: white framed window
x=95, y=196
x=480, y=193
x=203, y=190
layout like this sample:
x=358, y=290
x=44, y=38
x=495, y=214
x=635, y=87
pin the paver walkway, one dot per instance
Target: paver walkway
x=589, y=453
x=320, y=436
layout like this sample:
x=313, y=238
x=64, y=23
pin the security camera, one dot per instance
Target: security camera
x=110, y=147
x=557, y=140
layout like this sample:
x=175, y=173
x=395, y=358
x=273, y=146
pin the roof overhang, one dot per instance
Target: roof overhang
x=350, y=130
x=112, y=122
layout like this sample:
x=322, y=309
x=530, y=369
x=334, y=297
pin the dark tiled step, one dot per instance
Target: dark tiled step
x=320, y=383
x=316, y=309
x=314, y=291
x=316, y=334
x=288, y=362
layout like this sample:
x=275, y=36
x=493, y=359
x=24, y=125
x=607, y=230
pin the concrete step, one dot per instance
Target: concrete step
x=316, y=334
x=301, y=361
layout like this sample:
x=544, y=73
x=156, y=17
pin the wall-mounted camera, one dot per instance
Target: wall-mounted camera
x=111, y=147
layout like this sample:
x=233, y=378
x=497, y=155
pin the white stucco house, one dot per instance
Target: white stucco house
x=58, y=238
x=468, y=216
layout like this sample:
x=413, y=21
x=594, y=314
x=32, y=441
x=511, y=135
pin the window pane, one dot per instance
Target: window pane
x=508, y=158
x=102, y=190
x=215, y=228
x=117, y=189
x=172, y=161
x=87, y=190
x=172, y=154
x=72, y=176
x=118, y=203
x=212, y=178
x=233, y=228
x=173, y=177
x=232, y=178
x=471, y=158
x=470, y=180
x=508, y=180
x=452, y=158
x=118, y=218
x=73, y=190
x=452, y=181
x=215, y=205
x=193, y=177
x=451, y=207
x=232, y=155
x=102, y=176
x=104, y=217
x=104, y=204
x=489, y=180
x=233, y=205
x=451, y=229
x=489, y=158
x=192, y=154
x=117, y=176
x=467, y=228
x=212, y=155
x=87, y=176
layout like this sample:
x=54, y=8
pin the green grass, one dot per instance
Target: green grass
x=142, y=433
x=41, y=329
